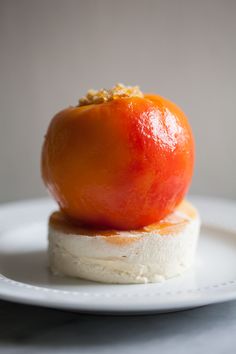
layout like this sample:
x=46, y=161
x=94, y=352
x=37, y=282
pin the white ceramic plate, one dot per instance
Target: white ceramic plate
x=25, y=278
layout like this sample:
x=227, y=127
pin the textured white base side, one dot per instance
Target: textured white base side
x=147, y=258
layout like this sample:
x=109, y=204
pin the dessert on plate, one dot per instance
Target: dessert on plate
x=119, y=165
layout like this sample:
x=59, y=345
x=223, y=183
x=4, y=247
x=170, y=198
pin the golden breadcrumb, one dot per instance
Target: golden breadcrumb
x=103, y=95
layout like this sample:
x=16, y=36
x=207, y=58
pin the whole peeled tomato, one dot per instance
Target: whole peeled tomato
x=123, y=163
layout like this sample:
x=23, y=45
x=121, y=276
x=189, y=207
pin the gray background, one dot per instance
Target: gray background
x=206, y=330
x=53, y=51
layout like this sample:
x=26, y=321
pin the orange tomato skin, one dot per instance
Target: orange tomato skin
x=122, y=164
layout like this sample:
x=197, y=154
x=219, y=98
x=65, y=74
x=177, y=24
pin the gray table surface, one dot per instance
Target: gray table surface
x=27, y=329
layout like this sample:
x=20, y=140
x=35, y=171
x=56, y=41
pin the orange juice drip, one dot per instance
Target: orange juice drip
x=172, y=224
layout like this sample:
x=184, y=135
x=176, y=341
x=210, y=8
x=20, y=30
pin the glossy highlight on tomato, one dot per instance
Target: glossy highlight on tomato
x=121, y=164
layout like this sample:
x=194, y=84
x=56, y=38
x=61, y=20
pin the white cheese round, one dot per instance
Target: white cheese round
x=152, y=254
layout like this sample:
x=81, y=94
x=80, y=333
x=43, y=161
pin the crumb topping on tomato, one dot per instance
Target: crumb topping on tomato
x=104, y=95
